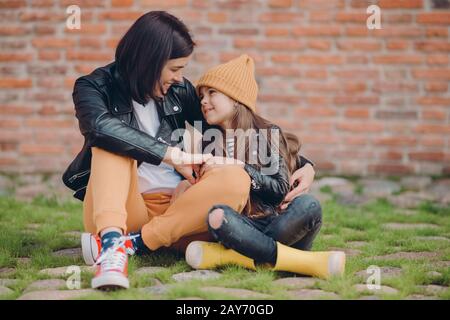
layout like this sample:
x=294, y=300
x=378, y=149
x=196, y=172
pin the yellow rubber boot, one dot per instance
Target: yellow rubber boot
x=209, y=255
x=321, y=264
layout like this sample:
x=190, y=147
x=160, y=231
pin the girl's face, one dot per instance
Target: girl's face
x=217, y=108
x=172, y=72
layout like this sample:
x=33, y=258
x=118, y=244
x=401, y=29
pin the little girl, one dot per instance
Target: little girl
x=263, y=233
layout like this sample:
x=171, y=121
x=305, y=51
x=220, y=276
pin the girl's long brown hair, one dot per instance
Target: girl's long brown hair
x=289, y=147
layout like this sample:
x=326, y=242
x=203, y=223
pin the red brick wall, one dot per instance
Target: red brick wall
x=363, y=101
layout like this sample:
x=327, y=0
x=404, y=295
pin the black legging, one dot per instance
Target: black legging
x=296, y=227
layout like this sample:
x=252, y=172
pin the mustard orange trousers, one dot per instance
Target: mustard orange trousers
x=113, y=200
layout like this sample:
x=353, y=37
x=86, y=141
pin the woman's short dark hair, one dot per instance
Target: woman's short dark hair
x=141, y=54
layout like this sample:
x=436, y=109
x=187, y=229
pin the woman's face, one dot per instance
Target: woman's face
x=217, y=108
x=172, y=72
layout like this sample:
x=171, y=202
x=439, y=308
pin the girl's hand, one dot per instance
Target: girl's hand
x=185, y=163
x=180, y=189
x=304, y=177
x=217, y=162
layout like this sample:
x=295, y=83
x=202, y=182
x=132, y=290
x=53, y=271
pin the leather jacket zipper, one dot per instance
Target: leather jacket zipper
x=78, y=175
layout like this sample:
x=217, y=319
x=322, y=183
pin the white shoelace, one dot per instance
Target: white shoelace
x=112, y=258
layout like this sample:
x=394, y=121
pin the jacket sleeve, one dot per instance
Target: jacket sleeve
x=271, y=185
x=302, y=161
x=102, y=129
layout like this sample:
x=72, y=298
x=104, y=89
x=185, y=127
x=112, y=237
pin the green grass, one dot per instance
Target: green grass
x=18, y=239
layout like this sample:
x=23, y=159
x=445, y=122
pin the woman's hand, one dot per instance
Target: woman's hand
x=217, y=162
x=304, y=177
x=180, y=189
x=186, y=163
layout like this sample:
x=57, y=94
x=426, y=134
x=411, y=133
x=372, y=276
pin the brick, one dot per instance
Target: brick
x=438, y=59
x=122, y=3
x=357, y=99
x=432, y=46
x=88, y=56
x=6, y=30
x=357, y=113
x=279, y=17
x=395, y=115
x=436, y=32
x=12, y=4
x=52, y=43
x=434, y=18
x=400, y=4
x=426, y=156
x=433, y=101
x=35, y=149
x=432, y=74
x=14, y=57
x=360, y=127
x=390, y=169
x=432, y=128
x=398, y=59
x=89, y=29
x=322, y=4
x=316, y=59
x=348, y=45
x=12, y=83
x=436, y=86
x=164, y=4
x=120, y=15
x=434, y=115
x=277, y=32
x=217, y=17
x=280, y=3
x=317, y=31
x=84, y=3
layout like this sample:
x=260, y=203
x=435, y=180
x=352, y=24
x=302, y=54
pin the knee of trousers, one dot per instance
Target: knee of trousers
x=227, y=216
x=234, y=180
x=308, y=206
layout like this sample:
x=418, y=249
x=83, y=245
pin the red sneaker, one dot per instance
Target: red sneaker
x=91, y=245
x=112, y=268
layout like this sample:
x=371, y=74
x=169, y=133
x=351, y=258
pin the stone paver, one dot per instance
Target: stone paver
x=156, y=290
x=353, y=199
x=408, y=256
x=296, y=282
x=378, y=187
x=410, y=199
x=409, y=226
x=238, y=293
x=196, y=275
x=431, y=238
x=8, y=282
x=190, y=298
x=433, y=289
x=420, y=297
x=61, y=271
x=415, y=183
x=44, y=285
x=312, y=294
x=70, y=253
x=57, y=294
x=4, y=291
x=148, y=270
x=362, y=288
x=357, y=244
x=5, y=272
x=440, y=188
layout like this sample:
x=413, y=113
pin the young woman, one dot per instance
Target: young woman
x=129, y=166
x=262, y=233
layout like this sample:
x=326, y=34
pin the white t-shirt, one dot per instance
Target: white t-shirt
x=153, y=179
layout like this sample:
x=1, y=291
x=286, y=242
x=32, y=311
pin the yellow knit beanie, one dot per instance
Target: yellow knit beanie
x=236, y=79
